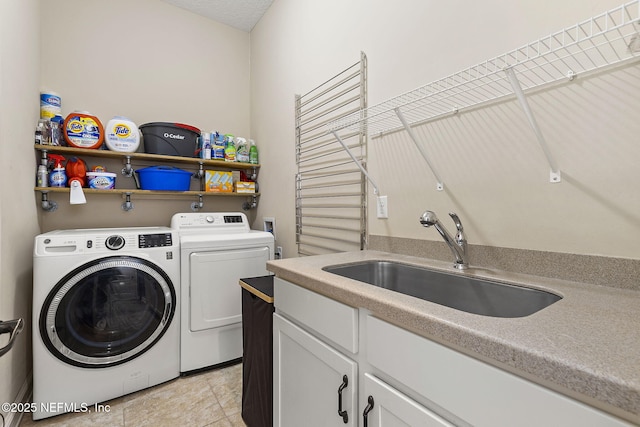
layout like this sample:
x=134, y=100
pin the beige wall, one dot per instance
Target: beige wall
x=19, y=64
x=151, y=62
x=496, y=177
x=146, y=60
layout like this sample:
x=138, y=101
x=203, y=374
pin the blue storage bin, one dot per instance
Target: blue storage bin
x=164, y=178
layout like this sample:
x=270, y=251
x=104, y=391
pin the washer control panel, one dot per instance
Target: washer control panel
x=104, y=240
x=155, y=240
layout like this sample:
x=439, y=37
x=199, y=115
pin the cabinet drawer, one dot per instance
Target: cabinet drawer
x=478, y=393
x=333, y=320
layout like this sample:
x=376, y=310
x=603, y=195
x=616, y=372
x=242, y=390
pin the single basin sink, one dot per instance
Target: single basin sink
x=464, y=293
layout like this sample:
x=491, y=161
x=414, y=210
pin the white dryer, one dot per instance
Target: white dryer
x=216, y=250
x=105, y=315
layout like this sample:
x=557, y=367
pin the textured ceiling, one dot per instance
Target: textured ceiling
x=240, y=14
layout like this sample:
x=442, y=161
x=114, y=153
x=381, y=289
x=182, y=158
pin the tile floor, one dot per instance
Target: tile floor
x=208, y=399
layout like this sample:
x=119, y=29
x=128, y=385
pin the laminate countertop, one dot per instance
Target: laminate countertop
x=586, y=346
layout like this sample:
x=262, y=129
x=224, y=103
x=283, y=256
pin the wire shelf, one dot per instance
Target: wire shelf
x=604, y=40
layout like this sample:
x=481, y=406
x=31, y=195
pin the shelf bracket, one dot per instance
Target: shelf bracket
x=254, y=174
x=127, y=205
x=127, y=170
x=353, y=157
x=439, y=184
x=251, y=203
x=200, y=173
x=555, y=175
x=46, y=204
x=44, y=157
x=196, y=206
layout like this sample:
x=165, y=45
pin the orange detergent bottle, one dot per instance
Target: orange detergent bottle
x=82, y=130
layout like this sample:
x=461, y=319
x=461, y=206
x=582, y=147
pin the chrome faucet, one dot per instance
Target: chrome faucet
x=457, y=244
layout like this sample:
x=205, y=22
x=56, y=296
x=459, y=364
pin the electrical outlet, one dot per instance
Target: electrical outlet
x=278, y=252
x=382, y=207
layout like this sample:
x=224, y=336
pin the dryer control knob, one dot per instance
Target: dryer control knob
x=209, y=219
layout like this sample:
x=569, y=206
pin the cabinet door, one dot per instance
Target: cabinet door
x=393, y=409
x=307, y=376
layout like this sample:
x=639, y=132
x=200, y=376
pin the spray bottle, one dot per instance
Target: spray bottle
x=58, y=176
x=242, y=150
x=253, y=152
x=230, y=149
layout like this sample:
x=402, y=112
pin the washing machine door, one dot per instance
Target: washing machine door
x=107, y=312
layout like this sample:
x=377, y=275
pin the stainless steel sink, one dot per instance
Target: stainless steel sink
x=457, y=291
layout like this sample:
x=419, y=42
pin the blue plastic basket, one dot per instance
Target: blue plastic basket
x=164, y=178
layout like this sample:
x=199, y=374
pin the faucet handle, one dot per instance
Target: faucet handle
x=456, y=220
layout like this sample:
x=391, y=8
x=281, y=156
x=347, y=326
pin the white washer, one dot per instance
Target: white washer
x=216, y=250
x=105, y=315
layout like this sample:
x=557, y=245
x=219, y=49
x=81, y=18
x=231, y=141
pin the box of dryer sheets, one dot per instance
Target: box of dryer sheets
x=245, y=187
x=218, y=182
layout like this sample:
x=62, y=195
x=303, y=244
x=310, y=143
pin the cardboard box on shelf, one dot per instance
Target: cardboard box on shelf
x=218, y=182
x=245, y=187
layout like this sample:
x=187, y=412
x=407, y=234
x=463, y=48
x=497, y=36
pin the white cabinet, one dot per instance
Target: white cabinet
x=308, y=380
x=413, y=381
x=387, y=407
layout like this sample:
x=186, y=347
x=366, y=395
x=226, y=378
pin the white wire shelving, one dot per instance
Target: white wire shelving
x=611, y=38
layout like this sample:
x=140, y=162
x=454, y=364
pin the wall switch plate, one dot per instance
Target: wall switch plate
x=381, y=207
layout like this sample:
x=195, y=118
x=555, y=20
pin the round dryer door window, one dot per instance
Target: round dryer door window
x=107, y=312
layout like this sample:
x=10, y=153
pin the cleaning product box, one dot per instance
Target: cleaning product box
x=218, y=182
x=245, y=187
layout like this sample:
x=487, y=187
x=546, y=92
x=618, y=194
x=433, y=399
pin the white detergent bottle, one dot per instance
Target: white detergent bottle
x=121, y=134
